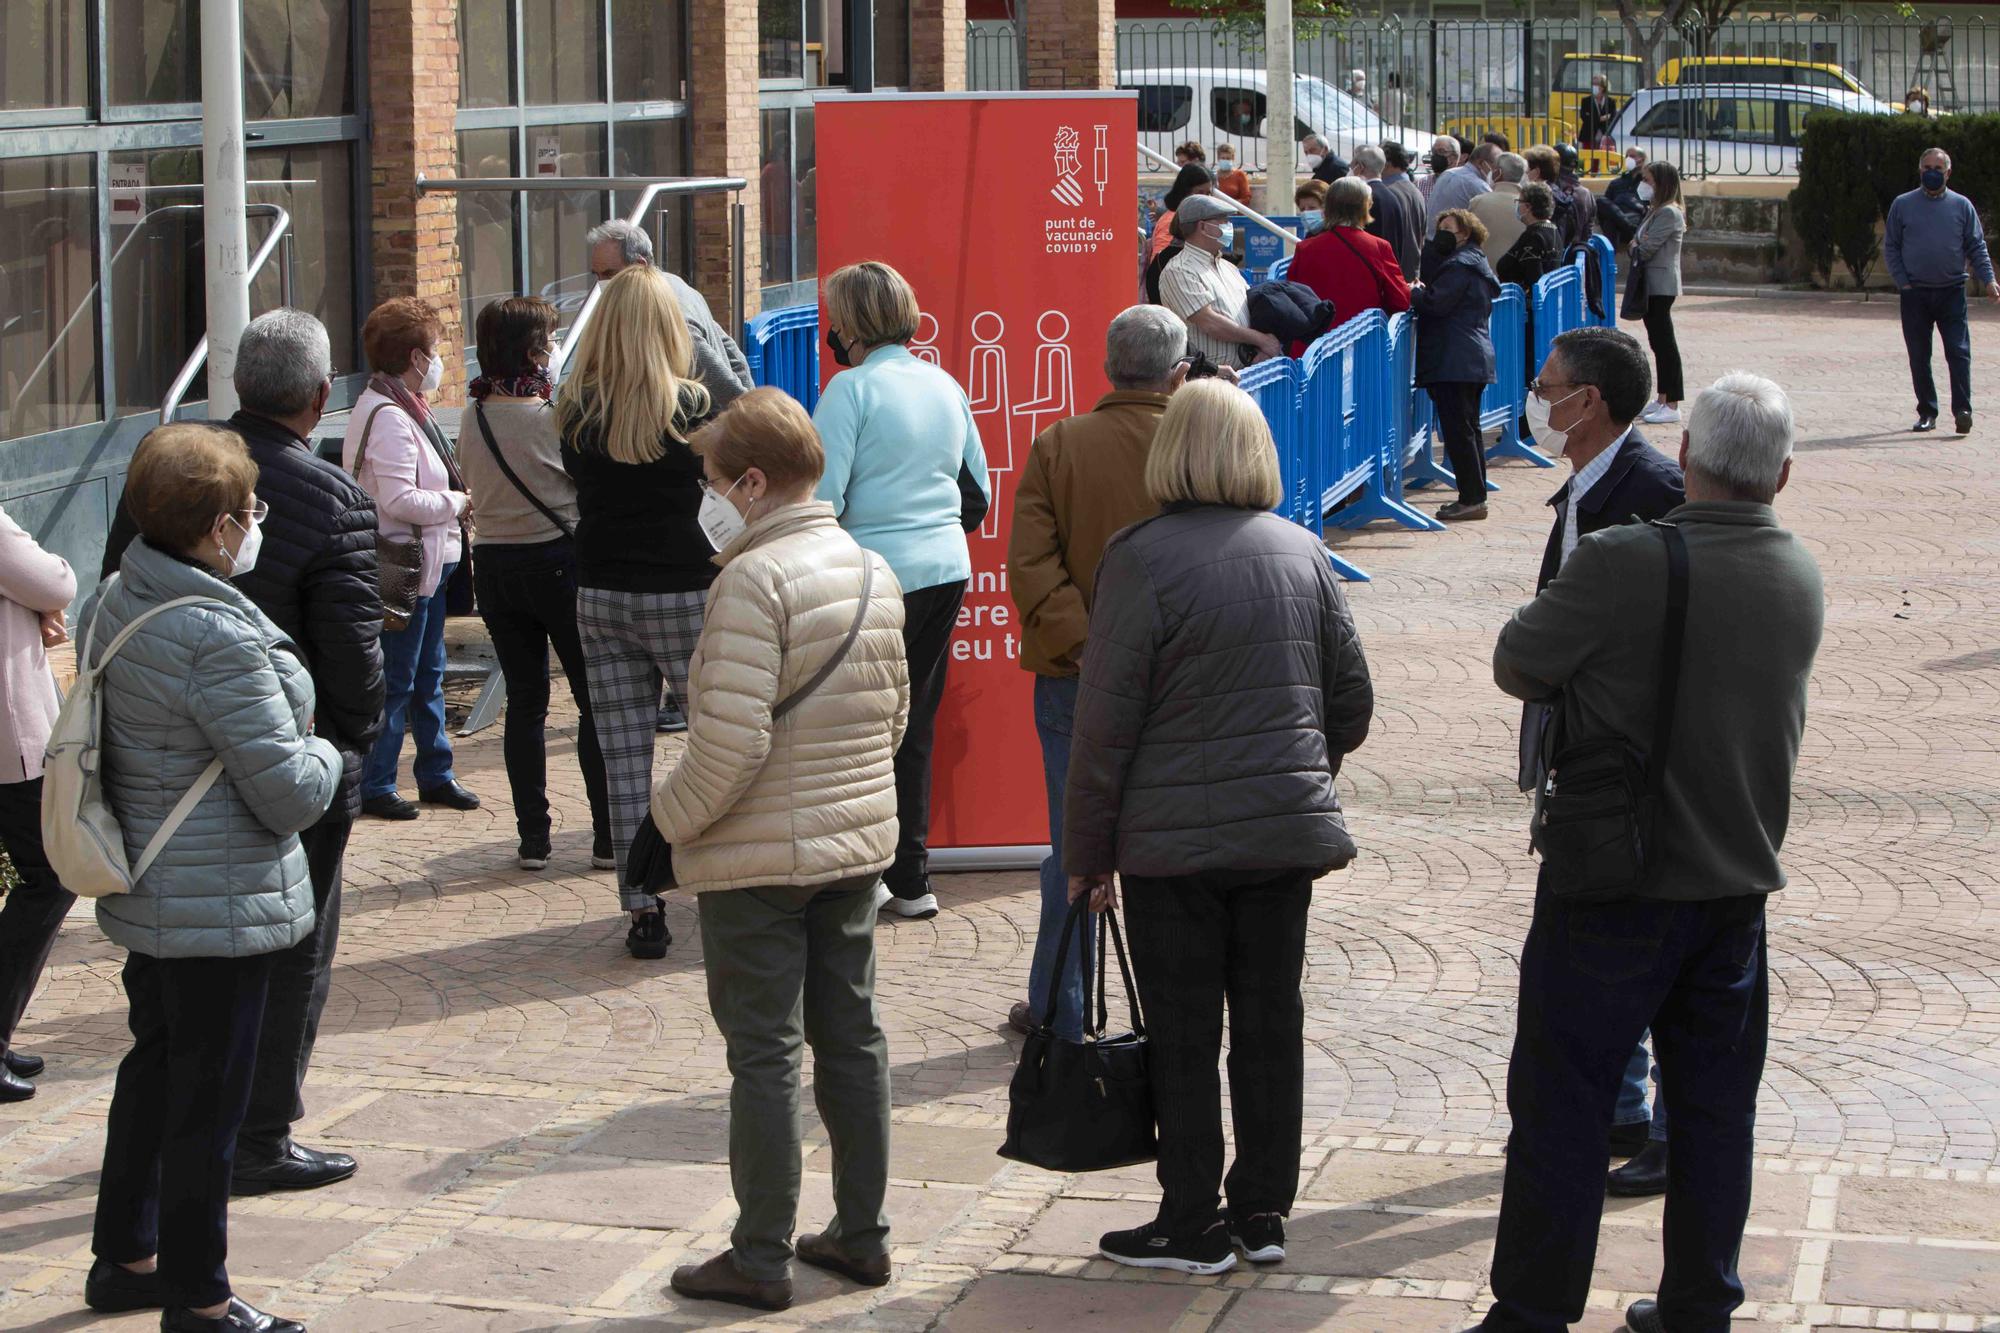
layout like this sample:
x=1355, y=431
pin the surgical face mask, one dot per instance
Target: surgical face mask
x=1933, y=179
x=843, y=352
x=1224, y=165
x=433, y=375
x=1645, y=192
x=245, y=558
x=1225, y=234
x=720, y=522
x=1917, y=105
x=1537, y=411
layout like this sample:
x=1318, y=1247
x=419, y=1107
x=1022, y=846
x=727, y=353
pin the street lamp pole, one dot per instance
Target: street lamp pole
x=1281, y=151
x=225, y=231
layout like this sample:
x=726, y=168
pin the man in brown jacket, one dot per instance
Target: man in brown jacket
x=1085, y=482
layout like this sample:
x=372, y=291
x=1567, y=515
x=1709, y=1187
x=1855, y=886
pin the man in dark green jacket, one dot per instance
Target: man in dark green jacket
x=1685, y=954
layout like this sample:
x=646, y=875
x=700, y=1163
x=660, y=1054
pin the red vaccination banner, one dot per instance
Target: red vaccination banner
x=1014, y=217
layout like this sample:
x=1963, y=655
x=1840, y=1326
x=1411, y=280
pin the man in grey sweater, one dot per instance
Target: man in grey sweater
x=718, y=362
x=1933, y=236
x=1684, y=953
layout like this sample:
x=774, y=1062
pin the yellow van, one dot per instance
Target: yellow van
x=1572, y=84
x=1710, y=70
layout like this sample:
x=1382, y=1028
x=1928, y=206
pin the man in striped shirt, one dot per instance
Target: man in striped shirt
x=1208, y=291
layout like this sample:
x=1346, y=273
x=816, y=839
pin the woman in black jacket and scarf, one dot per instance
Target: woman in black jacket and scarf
x=1217, y=819
x=1454, y=305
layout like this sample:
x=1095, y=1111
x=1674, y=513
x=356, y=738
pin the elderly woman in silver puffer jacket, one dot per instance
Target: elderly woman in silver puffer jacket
x=210, y=681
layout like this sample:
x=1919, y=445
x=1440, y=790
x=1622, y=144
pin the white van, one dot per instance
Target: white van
x=1217, y=106
x=1738, y=129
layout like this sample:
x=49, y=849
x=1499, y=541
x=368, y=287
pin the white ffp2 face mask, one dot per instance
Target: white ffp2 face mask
x=245, y=558
x=720, y=522
x=1537, y=411
x=433, y=375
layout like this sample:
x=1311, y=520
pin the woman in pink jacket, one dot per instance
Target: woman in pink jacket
x=35, y=586
x=408, y=467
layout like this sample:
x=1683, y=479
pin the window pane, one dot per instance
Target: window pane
x=486, y=224
x=657, y=148
x=803, y=201
x=564, y=45
x=297, y=58
x=43, y=50
x=558, y=263
x=485, y=53
x=775, y=191
x=781, y=51
x=159, y=308
x=648, y=60
x=892, y=43
x=320, y=199
x=48, y=295
x=154, y=51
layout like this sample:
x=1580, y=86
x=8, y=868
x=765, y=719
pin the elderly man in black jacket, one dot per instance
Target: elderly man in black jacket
x=315, y=579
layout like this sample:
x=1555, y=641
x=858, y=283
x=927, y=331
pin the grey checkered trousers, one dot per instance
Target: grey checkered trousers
x=631, y=642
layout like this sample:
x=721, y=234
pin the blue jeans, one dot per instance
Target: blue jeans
x=413, y=680
x=1593, y=979
x=1942, y=308
x=1632, y=1096
x=1055, y=711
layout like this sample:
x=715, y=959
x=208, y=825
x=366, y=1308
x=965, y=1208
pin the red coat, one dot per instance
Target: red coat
x=1371, y=280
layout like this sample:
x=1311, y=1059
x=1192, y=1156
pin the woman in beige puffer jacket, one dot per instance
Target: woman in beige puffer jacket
x=782, y=816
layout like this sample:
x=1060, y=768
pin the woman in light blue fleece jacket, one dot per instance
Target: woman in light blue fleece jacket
x=213, y=680
x=906, y=474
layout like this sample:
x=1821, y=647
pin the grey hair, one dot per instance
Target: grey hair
x=634, y=245
x=1740, y=434
x=1369, y=161
x=1142, y=345
x=281, y=360
x=1312, y=139
x=1540, y=199
x=1935, y=152
x=1513, y=167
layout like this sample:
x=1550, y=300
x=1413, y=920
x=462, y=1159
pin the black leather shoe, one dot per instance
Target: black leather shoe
x=1644, y=1317
x=1642, y=1177
x=113, y=1288
x=1962, y=420
x=450, y=795
x=240, y=1317
x=391, y=806
x=1627, y=1140
x=1924, y=424
x=294, y=1168
x=14, y=1088
x=26, y=1066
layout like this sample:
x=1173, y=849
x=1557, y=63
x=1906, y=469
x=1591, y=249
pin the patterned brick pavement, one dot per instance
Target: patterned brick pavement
x=540, y=1118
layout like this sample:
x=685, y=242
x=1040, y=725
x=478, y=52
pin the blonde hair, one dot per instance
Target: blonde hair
x=630, y=375
x=768, y=430
x=871, y=303
x=1213, y=447
x=183, y=478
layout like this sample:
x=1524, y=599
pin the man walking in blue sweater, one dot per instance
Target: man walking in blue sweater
x=1932, y=238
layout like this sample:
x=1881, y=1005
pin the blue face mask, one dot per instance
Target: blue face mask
x=1933, y=179
x=1227, y=236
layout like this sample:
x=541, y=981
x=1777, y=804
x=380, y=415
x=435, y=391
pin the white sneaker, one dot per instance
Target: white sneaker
x=1659, y=414
x=911, y=909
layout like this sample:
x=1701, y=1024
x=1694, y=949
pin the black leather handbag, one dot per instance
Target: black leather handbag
x=1595, y=812
x=399, y=561
x=1083, y=1105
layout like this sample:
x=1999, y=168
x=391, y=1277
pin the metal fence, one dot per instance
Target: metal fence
x=1530, y=76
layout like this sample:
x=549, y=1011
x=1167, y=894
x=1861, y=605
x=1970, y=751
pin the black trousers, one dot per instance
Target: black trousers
x=527, y=597
x=1943, y=309
x=34, y=910
x=1593, y=979
x=928, y=617
x=1198, y=940
x=1666, y=349
x=301, y=976
x=1457, y=408
x=170, y=1140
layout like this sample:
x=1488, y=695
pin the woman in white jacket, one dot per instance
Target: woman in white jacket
x=407, y=465
x=782, y=816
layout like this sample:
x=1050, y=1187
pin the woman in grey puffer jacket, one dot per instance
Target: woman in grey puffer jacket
x=212, y=681
x=1222, y=684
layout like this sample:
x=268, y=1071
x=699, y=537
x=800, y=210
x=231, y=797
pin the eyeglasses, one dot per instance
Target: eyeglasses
x=258, y=511
x=1541, y=387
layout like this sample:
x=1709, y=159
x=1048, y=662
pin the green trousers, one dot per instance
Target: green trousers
x=789, y=967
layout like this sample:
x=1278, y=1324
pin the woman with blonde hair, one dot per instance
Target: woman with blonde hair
x=1217, y=819
x=781, y=814
x=906, y=476
x=625, y=413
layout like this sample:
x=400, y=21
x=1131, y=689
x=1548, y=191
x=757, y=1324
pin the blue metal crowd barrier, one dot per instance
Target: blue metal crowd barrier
x=782, y=347
x=1504, y=399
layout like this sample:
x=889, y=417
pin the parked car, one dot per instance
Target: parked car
x=1749, y=129
x=1709, y=71
x=1215, y=106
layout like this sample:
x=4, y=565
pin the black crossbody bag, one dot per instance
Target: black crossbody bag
x=1595, y=812
x=500, y=459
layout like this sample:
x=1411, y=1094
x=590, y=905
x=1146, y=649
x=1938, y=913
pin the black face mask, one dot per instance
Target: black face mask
x=1440, y=163
x=1445, y=242
x=842, y=352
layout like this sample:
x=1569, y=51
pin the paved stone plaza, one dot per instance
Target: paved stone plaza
x=541, y=1121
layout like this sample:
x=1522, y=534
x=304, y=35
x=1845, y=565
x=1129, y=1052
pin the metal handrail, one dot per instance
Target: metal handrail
x=1282, y=233
x=199, y=356
x=655, y=186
